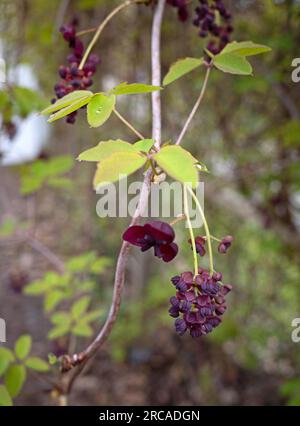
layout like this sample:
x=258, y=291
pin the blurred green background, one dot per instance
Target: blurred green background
x=247, y=132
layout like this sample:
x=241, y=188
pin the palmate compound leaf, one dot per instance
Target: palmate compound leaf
x=245, y=48
x=180, y=68
x=100, y=108
x=232, y=63
x=178, y=163
x=67, y=100
x=118, y=164
x=133, y=89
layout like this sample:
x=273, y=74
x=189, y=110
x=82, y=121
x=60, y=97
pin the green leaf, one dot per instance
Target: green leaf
x=144, y=145
x=6, y=357
x=7, y=228
x=26, y=100
x=59, y=331
x=180, y=68
x=61, y=318
x=120, y=163
x=245, y=48
x=80, y=307
x=52, y=299
x=82, y=330
x=92, y=316
x=15, y=377
x=67, y=110
x=100, y=265
x=100, y=108
x=23, y=346
x=5, y=399
x=81, y=263
x=37, y=364
x=52, y=359
x=105, y=149
x=178, y=163
x=36, y=288
x=67, y=100
x=232, y=64
x=133, y=89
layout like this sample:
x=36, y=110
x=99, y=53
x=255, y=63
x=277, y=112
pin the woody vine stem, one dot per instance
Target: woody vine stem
x=77, y=362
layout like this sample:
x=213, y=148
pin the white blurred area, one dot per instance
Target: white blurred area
x=32, y=133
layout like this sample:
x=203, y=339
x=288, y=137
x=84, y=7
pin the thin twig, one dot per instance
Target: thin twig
x=102, y=26
x=81, y=359
x=47, y=253
x=130, y=126
x=196, y=106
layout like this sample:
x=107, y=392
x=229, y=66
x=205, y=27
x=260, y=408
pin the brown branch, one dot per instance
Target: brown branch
x=80, y=360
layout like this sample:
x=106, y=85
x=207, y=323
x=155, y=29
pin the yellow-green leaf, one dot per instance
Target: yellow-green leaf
x=6, y=357
x=105, y=149
x=80, y=307
x=100, y=108
x=232, y=63
x=23, y=346
x=5, y=399
x=178, y=163
x=144, y=145
x=69, y=109
x=82, y=330
x=120, y=163
x=245, y=48
x=37, y=364
x=180, y=68
x=133, y=89
x=67, y=100
x=15, y=377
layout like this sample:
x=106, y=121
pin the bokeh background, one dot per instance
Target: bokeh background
x=247, y=132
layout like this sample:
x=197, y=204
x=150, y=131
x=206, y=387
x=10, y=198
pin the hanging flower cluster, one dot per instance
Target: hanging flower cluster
x=72, y=77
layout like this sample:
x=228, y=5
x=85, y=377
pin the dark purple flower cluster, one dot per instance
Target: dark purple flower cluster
x=73, y=78
x=214, y=21
x=156, y=234
x=199, y=302
x=182, y=9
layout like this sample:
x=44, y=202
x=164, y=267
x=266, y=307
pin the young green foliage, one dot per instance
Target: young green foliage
x=180, y=68
x=178, y=163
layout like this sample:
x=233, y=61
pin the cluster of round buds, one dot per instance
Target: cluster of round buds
x=73, y=78
x=199, y=302
x=224, y=244
x=214, y=21
x=182, y=9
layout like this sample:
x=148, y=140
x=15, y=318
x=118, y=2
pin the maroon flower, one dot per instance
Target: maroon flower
x=225, y=244
x=199, y=302
x=199, y=241
x=156, y=234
